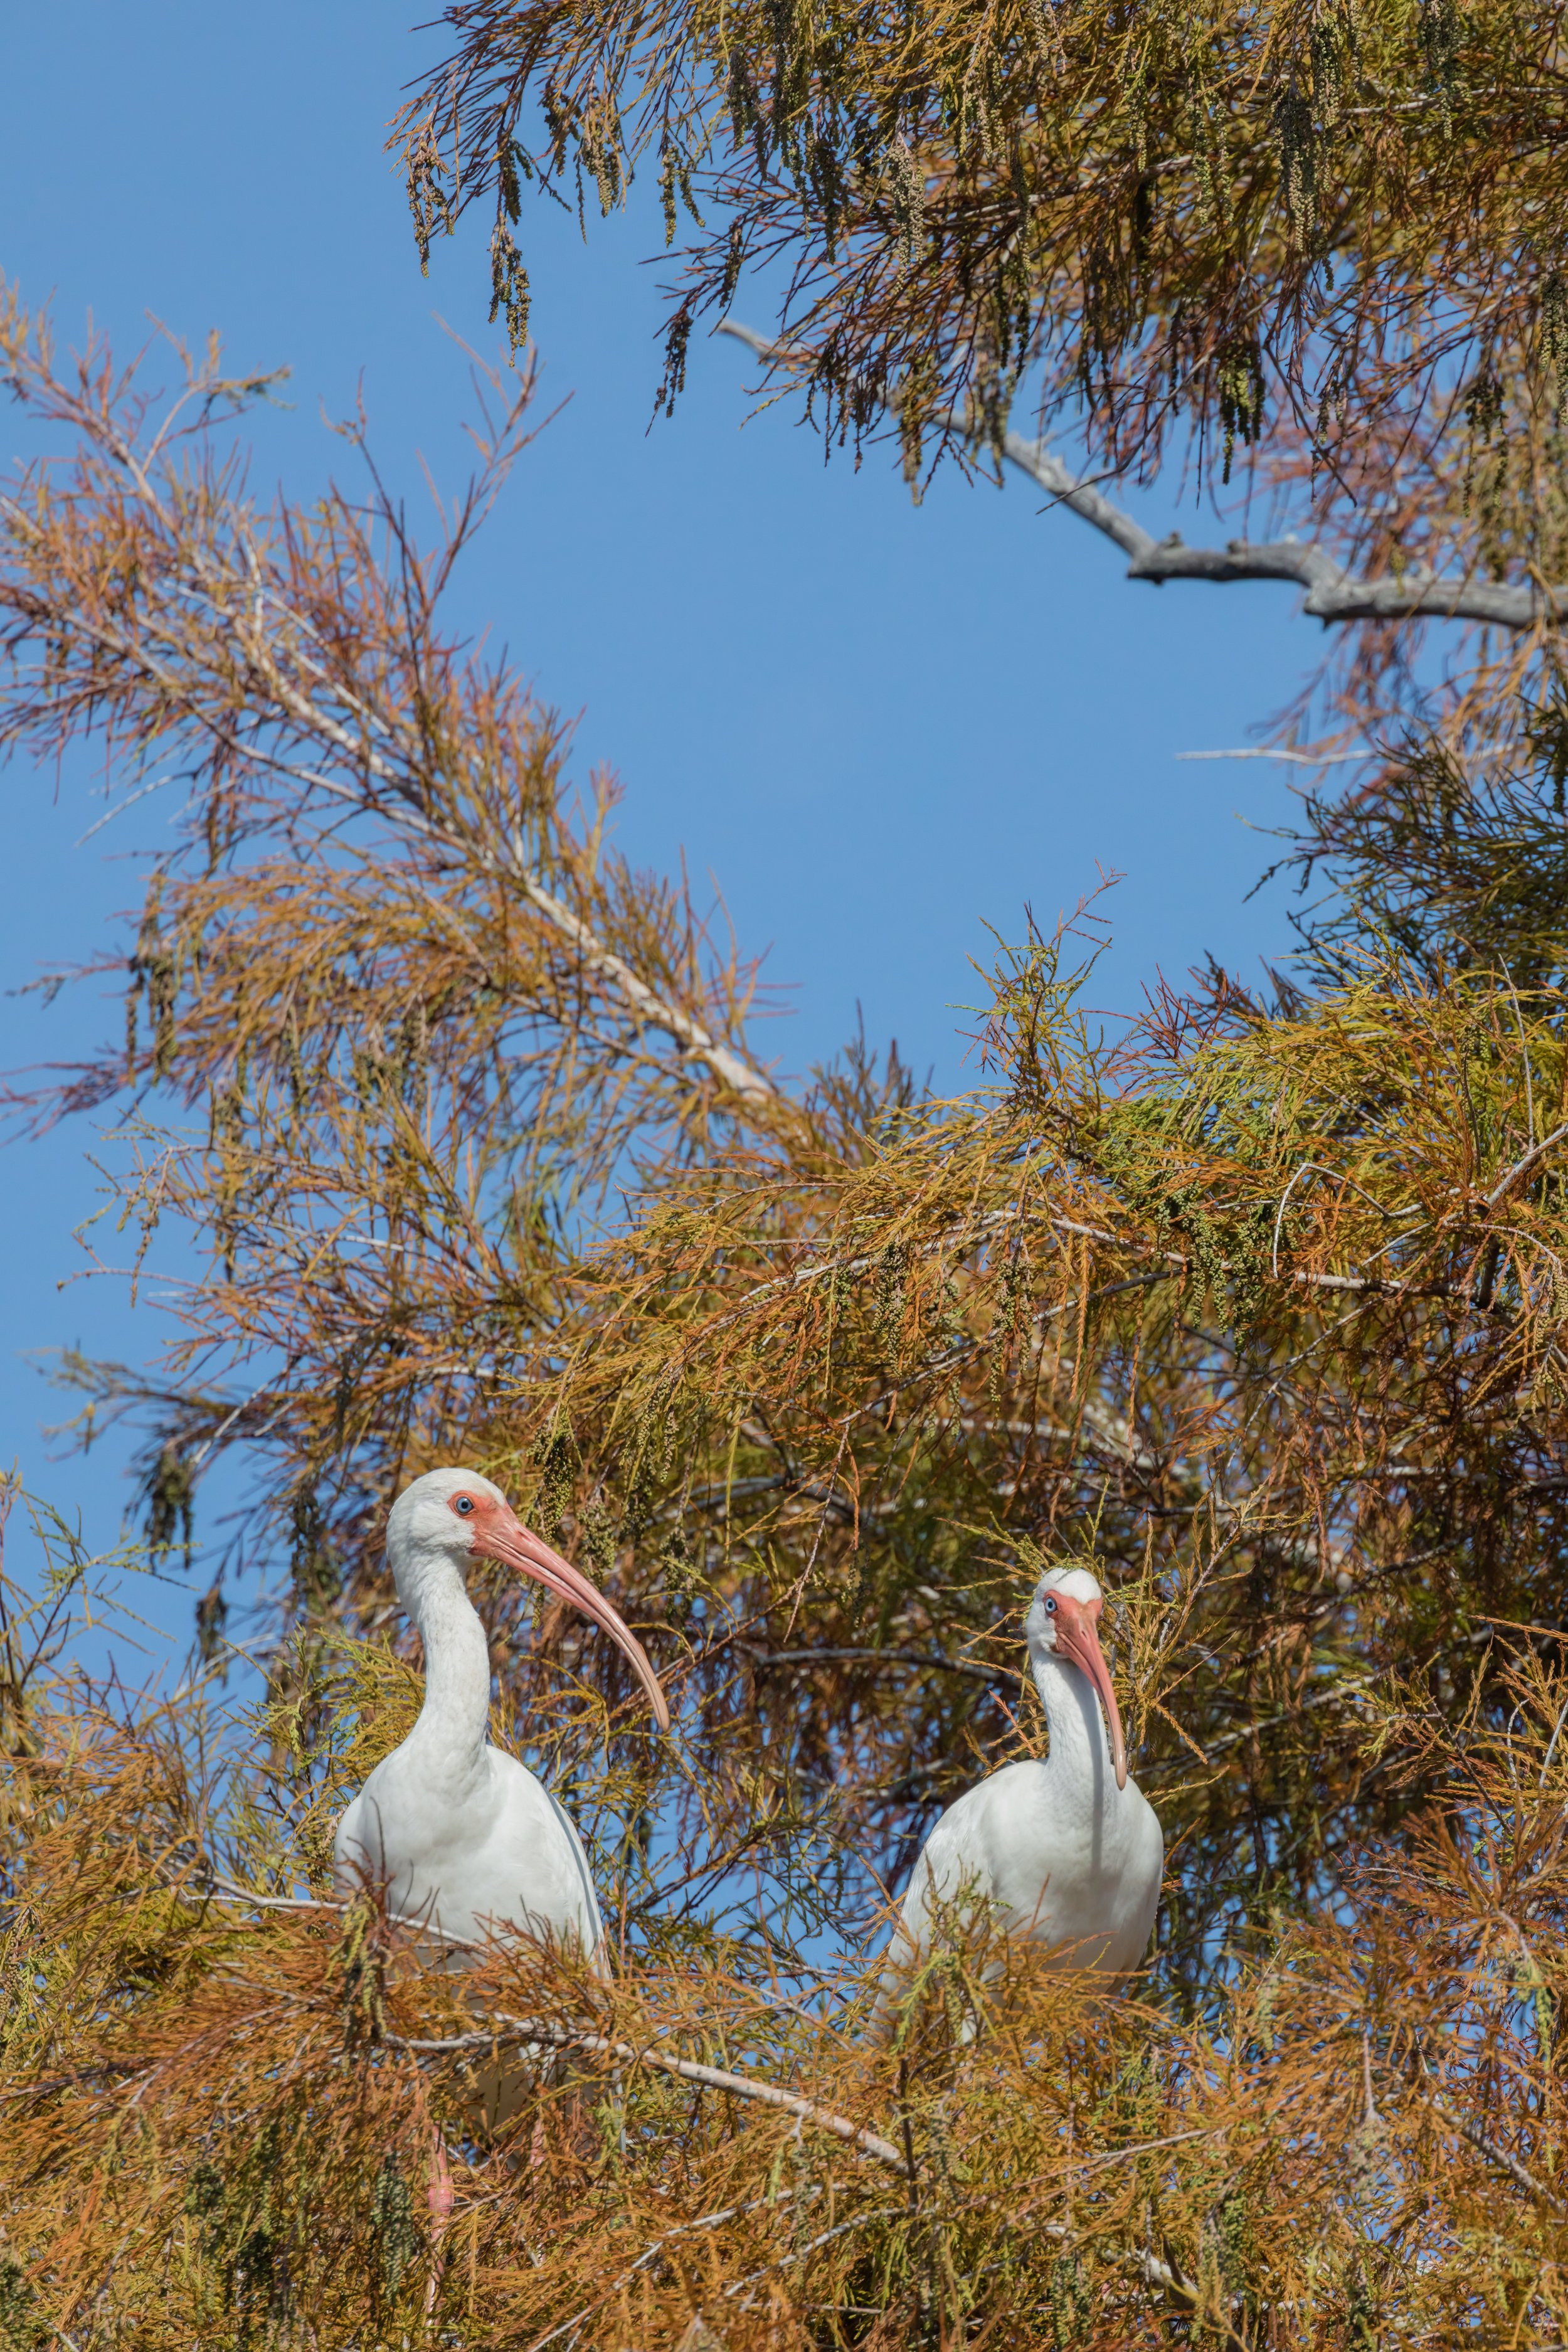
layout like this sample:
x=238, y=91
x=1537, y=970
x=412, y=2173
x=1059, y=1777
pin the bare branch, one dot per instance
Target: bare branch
x=508, y=860
x=691, y=1036
x=713, y=2078
x=1332, y=594
x=1486, y=2147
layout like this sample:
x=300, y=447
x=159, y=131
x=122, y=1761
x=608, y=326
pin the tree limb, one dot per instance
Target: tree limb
x=1332, y=593
x=1537, y=1152
x=504, y=858
x=1489, y=2147
x=713, y=2078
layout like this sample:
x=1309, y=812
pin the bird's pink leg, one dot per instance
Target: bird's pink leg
x=441, y=2198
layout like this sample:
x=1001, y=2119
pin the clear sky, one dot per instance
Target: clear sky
x=877, y=728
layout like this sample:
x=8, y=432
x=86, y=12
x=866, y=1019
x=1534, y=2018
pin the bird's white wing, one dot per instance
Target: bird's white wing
x=947, y=1872
x=508, y=1858
x=590, y=1898
x=956, y=1866
x=348, y=1854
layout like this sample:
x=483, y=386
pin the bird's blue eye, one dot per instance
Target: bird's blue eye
x=463, y=1504
x=1050, y=1606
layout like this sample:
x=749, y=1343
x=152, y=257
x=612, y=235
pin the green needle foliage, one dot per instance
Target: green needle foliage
x=1257, y=1303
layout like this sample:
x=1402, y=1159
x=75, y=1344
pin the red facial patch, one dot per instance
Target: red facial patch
x=475, y=1510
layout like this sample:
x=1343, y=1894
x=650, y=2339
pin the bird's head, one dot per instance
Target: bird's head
x=1064, y=1623
x=454, y=1515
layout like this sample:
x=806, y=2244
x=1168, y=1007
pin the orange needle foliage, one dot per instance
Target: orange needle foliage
x=223, y=2093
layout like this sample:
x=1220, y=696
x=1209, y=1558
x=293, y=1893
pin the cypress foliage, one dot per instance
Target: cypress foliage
x=1258, y=219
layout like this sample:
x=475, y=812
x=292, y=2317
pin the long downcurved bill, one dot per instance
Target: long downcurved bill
x=518, y=1547
x=1076, y=1639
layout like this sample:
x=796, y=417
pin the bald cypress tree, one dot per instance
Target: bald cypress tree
x=1257, y=1306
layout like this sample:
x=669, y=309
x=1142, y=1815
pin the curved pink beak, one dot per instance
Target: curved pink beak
x=505, y=1538
x=1076, y=1639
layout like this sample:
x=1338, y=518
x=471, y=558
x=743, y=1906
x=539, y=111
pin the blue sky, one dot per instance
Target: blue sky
x=877, y=728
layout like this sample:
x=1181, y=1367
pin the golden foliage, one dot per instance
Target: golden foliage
x=238, y=2113
x=1261, y=1306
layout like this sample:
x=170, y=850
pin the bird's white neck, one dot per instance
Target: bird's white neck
x=450, y=1735
x=1079, y=1757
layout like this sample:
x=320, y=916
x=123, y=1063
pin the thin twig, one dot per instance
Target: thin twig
x=912, y=1658
x=1537, y=1151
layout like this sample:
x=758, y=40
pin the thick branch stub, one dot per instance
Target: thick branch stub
x=1332, y=593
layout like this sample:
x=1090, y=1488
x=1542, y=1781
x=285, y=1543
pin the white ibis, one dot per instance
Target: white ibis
x=1067, y=1852
x=463, y=1838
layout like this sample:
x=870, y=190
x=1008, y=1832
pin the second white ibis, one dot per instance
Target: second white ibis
x=1066, y=1851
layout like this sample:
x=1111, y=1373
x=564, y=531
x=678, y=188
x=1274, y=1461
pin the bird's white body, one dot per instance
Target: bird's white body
x=1055, y=1850
x=462, y=1838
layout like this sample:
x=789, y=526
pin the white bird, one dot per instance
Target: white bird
x=462, y=1837
x=1067, y=1852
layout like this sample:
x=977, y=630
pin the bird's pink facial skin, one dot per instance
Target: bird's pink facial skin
x=500, y=1535
x=1077, y=1639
